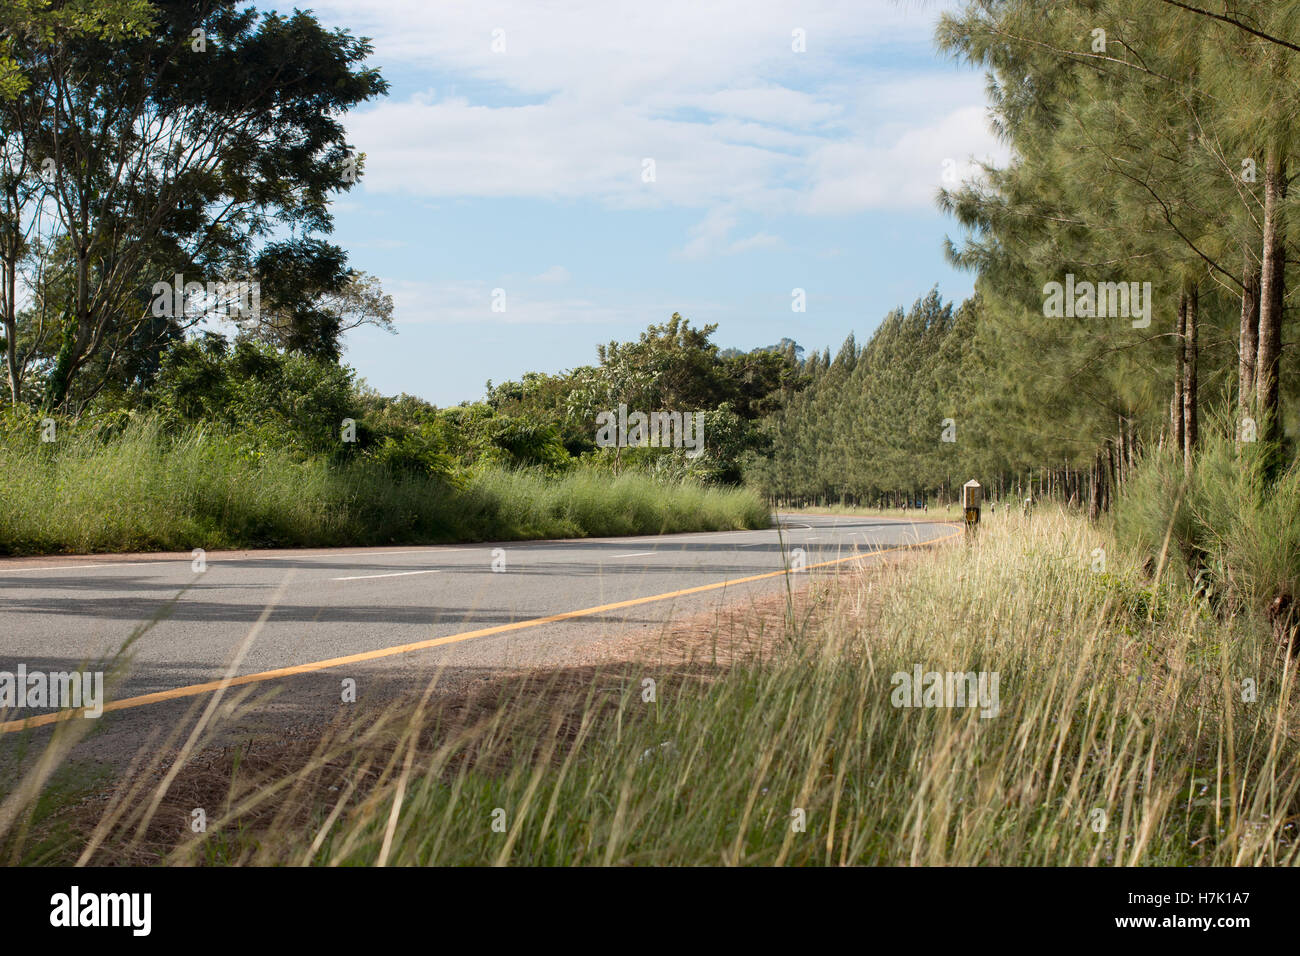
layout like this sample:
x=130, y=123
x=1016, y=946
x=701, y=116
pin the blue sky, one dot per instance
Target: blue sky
x=511, y=154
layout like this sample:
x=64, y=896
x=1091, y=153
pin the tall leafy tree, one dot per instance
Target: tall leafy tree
x=177, y=153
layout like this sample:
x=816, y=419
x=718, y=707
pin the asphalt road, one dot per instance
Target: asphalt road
x=332, y=613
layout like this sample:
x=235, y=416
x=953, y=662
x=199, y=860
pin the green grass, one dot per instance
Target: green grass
x=1123, y=738
x=142, y=491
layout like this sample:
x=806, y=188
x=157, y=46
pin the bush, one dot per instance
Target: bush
x=516, y=442
x=273, y=398
x=1231, y=531
x=419, y=451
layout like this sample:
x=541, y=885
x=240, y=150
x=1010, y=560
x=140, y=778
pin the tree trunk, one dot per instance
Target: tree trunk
x=1094, y=490
x=1248, y=341
x=1101, y=501
x=11, y=329
x=1121, y=447
x=1190, y=421
x=1180, y=357
x=1112, y=473
x=1271, y=290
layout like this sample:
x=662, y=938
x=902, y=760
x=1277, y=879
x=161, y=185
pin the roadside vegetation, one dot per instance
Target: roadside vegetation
x=146, y=487
x=245, y=444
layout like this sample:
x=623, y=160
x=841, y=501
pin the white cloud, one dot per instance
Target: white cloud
x=464, y=301
x=735, y=121
x=909, y=171
x=616, y=51
x=763, y=104
x=712, y=236
x=759, y=240
x=554, y=274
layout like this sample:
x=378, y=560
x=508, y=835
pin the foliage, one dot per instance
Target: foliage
x=166, y=161
x=270, y=397
x=873, y=420
x=1231, y=531
x=153, y=486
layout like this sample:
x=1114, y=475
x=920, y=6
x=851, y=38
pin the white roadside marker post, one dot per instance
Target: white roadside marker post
x=971, y=495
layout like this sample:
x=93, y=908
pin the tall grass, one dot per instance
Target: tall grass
x=144, y=490
x=1125, y=736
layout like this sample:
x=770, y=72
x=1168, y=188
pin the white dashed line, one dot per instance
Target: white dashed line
x=392, y=574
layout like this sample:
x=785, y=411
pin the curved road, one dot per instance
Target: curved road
x=333, y=613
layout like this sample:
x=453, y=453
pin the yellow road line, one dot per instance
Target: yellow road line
x=192, y=690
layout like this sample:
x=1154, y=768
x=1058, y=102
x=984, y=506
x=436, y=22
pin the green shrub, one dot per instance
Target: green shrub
x=273, y=398
x=1231, y=531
